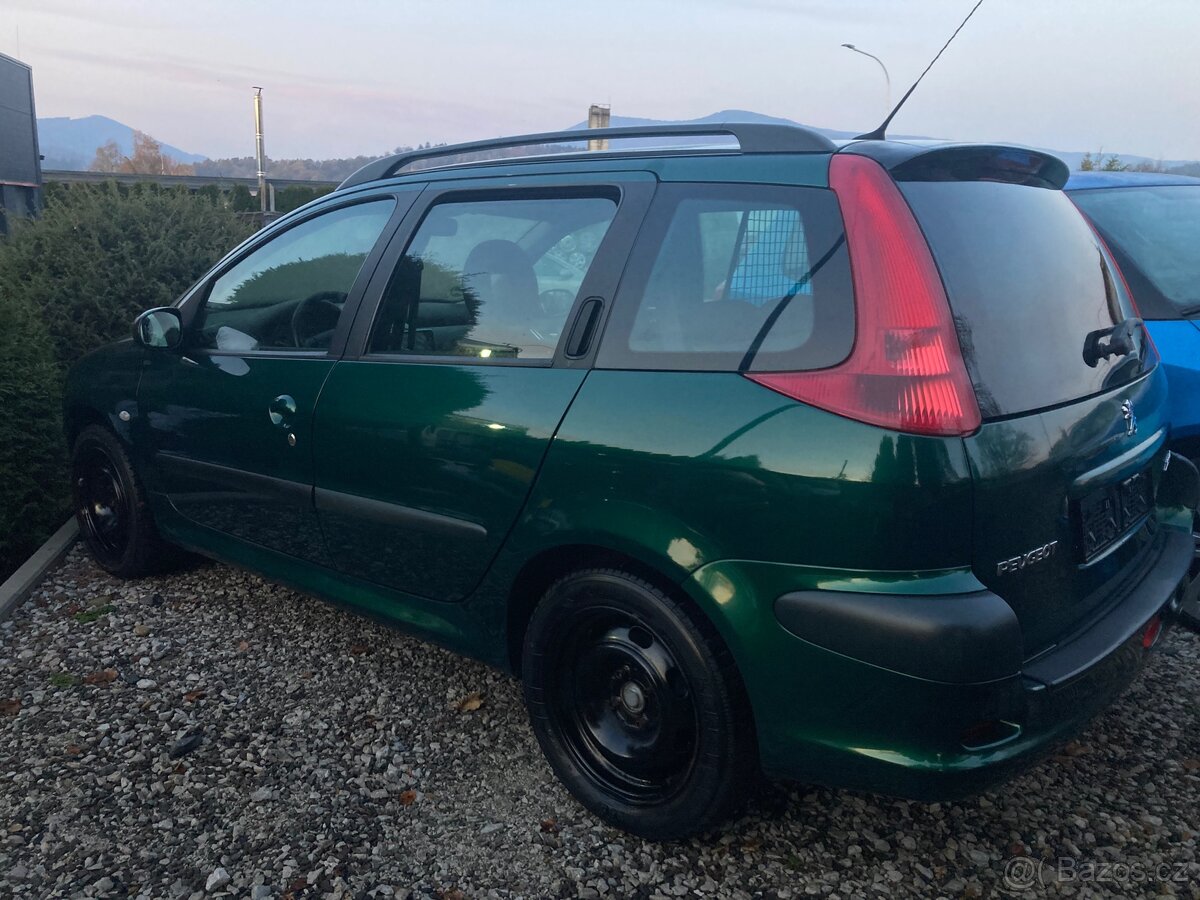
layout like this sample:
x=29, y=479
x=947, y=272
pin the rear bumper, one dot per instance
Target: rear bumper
x=926, y=696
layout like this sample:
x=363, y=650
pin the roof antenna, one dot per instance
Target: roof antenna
x=878, y=133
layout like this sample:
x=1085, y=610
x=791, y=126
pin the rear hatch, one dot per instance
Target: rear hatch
x=1068, y=456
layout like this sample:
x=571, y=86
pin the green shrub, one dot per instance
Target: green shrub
x=69, y=282
x=100, y=254
x=32, y=473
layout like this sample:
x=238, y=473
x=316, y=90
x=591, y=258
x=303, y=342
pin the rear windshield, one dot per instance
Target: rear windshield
x=1155, y=234
x=1028, y=283
x=735, y=278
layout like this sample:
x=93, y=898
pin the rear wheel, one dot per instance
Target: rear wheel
x=638, y=708
x=111, y=509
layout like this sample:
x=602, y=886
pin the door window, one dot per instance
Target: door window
x=289, y=293
x=491, y=279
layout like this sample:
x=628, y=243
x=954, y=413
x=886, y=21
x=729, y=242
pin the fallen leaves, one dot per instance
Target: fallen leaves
x=92, y=615
x=74, y=750
x=243, y=646
x=408, y=798
x=550, y=826
x=193, y=696
x=10, y=707
x=102, y=676
x=470, y=703
x=359, y=649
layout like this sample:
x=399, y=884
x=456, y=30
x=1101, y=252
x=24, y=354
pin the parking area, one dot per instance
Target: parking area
x=209, y=733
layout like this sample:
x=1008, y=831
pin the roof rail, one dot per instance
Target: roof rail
x=751, y=138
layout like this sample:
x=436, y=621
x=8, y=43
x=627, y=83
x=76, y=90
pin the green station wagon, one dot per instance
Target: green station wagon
x=749, y=452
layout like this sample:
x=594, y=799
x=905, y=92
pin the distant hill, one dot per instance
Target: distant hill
x=1071, y=157
x=71, y=143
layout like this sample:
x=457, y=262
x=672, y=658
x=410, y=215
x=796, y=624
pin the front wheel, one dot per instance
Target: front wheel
x=110, y=507
x=637, y=706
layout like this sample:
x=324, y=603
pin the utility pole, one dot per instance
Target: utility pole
x=599, y=115
x=260, y=153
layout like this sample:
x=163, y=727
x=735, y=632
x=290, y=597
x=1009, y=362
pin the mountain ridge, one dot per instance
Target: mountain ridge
x=68, y=143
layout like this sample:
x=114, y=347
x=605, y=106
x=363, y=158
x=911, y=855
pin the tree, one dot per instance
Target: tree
x=147, y=159
x=1098, y=163
x=108, y=158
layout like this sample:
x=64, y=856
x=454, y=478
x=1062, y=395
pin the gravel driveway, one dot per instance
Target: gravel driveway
x=209, y=731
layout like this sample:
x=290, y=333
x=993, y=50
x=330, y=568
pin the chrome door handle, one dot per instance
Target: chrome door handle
x=281, y=410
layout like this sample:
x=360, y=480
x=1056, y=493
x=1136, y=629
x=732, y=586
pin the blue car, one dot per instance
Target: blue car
x=1151, y=223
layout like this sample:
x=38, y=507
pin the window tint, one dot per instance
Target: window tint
x=1154, y=232
x=289, y=293
x=736, y=277
x=1027, y=283
x=491, y=279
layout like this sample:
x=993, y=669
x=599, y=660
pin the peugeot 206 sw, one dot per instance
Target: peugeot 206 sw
x=749, y=452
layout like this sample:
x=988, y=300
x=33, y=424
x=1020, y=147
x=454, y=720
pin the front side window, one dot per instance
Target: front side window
x=288, y=294
x=735, y=278
x=491, y=279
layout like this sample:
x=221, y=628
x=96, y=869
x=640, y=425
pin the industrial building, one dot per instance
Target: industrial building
x=20, y=162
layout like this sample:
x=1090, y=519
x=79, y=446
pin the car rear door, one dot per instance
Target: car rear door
x=225, y=423
x=1067, y=461
x=463, y=361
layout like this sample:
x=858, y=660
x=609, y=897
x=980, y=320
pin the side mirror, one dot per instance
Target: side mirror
x=159, y=329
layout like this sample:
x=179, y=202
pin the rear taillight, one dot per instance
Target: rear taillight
x=906, y=370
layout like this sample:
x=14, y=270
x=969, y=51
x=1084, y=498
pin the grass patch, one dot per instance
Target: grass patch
x=63, y=680
x=91, y=615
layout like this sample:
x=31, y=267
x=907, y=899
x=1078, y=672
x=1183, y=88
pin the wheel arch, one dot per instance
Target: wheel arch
x=544, y=568
x=81, y=415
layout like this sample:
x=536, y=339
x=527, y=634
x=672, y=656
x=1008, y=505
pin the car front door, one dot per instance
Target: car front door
x=225, y=422
x=428, y=435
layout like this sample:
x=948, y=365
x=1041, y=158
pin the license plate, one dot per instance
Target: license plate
x=1109, y=513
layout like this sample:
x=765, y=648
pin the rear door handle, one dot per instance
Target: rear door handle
x=281, y=410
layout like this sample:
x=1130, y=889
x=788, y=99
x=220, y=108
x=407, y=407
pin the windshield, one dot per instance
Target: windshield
x=1155, y=234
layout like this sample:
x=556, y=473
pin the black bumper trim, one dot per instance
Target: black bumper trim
x=1109, y=632
x=952, y=638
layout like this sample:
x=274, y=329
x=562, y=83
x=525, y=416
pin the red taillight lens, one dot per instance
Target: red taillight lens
x=906, y=370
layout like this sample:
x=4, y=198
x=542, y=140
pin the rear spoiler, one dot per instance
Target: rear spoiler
x=965, y=162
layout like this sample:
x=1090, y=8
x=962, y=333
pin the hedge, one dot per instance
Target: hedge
x=69, y=282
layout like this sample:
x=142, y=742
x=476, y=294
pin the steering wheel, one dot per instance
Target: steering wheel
x=556, y=301
x=323, y=304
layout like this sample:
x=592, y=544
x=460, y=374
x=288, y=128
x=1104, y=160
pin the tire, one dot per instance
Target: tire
x=637, y=705
x=111, y=509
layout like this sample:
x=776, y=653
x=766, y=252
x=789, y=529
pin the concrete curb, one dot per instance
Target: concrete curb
x=22, y=582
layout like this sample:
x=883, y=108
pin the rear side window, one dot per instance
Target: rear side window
x=735, y=278
x=1028, y=283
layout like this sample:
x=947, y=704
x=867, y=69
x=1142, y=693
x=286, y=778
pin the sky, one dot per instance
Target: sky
x=360, y=77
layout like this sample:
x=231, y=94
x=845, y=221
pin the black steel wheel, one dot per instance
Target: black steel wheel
x=110, y=506
x=637, y=705
x=101, y=502
x=624, y=707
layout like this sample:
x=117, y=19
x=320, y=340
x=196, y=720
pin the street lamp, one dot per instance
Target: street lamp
x=887, y=78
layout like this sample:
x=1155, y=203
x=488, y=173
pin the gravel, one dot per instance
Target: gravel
x=210, y=734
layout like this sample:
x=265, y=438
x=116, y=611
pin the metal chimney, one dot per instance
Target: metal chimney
x=598, y=117
x=259, y=153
